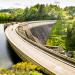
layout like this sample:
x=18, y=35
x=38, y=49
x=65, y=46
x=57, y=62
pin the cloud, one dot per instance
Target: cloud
x=18, y=4
x=28, y=3
x=12, y=0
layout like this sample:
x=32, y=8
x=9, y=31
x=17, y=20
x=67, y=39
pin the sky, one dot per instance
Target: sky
x=4, y=4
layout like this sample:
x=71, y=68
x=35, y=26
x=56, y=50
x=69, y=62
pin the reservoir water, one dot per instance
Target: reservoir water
x=7, y=55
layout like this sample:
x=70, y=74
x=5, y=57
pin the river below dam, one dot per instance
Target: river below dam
x=7, y=55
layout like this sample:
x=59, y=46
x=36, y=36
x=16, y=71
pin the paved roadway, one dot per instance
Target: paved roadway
x=41, y=23
x=35, y=53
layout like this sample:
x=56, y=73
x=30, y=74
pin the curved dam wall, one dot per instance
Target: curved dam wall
x=24, y=57
x=42, y=32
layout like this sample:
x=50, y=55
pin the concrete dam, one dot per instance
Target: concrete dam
x=21, y=36
x=41, y=32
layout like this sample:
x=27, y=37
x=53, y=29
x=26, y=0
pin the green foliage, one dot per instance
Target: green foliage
x=56, y=40
x=70, y=10
x=35, y=73
x=57, y=35
x=23, y=68
x=4, y=17
x=57, y=29
x=63, y=34
x=70, y=39
x=37, y=12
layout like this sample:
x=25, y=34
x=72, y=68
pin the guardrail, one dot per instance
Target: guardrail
x=69, y=61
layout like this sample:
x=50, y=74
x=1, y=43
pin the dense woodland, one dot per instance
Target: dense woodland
x=37, y=12
x=63, y=32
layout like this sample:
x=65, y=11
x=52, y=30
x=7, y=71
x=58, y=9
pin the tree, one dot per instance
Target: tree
x=70, y=39
x=57, y=29
x=70, y=10
x=41, y=11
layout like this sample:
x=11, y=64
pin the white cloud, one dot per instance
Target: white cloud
x=28, y=3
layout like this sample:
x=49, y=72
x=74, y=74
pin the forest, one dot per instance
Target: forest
x=37, y=12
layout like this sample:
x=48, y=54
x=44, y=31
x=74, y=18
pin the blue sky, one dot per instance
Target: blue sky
x=28, y=3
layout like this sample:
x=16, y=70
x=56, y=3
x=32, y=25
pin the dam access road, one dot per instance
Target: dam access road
x=33, y=53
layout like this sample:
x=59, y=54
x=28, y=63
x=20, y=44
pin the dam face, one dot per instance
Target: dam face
x=41, y=32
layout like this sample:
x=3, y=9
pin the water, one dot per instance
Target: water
x=7, y=56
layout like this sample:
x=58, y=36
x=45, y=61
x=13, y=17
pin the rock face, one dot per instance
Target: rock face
x=42, y=32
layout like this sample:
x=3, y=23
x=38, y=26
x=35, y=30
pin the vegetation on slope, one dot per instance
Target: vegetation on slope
x=23, y=68
x=62, y=33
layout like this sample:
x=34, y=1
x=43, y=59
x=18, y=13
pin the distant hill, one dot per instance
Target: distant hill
x=5, y=10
